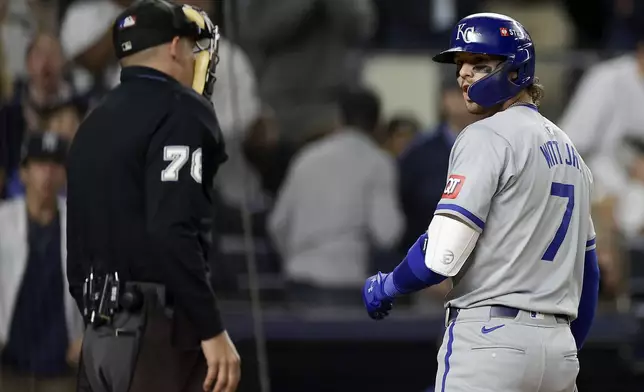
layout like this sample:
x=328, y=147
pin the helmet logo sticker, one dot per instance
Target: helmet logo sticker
x=465, y=33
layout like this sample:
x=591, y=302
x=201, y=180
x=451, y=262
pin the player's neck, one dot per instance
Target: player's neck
x=523, y=97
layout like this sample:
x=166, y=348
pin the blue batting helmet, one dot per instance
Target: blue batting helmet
x=498, y=35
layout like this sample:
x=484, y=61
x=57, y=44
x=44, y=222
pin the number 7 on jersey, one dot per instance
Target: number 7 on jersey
x=567, y=191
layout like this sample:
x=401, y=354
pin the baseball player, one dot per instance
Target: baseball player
x=513, y=229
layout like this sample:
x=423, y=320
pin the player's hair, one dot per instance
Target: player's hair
x=536, y=91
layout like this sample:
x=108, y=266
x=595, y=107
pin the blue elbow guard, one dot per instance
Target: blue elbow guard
x=412, y=274
x=588, y=302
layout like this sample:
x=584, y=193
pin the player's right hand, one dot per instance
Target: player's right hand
x=223, y=364
x=378, y=303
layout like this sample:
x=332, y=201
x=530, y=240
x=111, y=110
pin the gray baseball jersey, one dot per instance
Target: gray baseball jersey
x=517, y=178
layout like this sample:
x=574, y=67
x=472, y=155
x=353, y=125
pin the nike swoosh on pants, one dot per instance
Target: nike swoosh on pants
x=485, y=330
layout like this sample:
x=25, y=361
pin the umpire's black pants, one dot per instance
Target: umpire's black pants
x=164, y=363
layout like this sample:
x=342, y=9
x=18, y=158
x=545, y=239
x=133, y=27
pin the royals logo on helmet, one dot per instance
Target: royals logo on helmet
x=465, y=33
x=453, y=187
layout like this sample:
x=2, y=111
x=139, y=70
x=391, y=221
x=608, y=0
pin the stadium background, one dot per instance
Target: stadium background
x=282, y=63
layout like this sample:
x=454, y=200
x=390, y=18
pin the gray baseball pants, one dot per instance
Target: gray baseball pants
x=531, y=352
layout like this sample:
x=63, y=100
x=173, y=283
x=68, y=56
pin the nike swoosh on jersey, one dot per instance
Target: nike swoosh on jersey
x=485, y=330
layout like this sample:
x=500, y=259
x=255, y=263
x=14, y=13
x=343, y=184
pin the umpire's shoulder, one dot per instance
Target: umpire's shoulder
x=196, y=110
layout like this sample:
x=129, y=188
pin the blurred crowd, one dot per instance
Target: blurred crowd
x=323, y=185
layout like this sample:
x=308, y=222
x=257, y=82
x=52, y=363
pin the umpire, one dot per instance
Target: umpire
x=140, y=172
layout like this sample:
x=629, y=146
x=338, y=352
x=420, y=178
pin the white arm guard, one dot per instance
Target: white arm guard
x=450, y=243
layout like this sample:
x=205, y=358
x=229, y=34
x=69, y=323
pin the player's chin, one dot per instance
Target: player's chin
x=474, y=108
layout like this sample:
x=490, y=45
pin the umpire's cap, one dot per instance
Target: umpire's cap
x=45, y=147
x=149, y=23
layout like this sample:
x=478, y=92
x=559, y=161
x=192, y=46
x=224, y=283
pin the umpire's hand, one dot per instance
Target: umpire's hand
x=223, y=364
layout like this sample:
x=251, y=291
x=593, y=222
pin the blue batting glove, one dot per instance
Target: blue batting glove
x=377, y=302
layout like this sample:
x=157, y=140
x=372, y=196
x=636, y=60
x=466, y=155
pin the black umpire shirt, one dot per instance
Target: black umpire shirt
x=140, y=172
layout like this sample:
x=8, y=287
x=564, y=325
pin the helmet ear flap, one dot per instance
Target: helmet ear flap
x=524, y=74
x=494, y=88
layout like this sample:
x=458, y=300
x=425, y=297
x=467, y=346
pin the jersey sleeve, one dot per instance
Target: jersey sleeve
x=477, y=170
x=179, y=210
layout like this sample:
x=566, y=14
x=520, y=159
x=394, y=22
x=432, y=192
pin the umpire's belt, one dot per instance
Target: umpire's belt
x=136, y=293
x=503, y=312
x=110, y=350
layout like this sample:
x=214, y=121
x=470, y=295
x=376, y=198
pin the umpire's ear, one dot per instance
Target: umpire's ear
x=175, y=48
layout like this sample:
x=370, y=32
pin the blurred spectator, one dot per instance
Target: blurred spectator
x=62, y=120
x=40, y=326
x=230, y=263
x=3, y=160
x=86, y=36
x=303, y=53
x=604, y=112
x=605, y=108
x=618, y=15
x=262, y=150
x=423, y=166
x=238, y=106
x=238, y=182
x=629, y=212
x=419, y=24
x=5, y=77
x=20, y=20
x=399, y=132
x=338, y=202
x=34, y=97
x=590, y=20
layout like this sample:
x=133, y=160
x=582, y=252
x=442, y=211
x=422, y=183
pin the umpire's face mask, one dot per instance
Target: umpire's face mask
x=205, y=51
